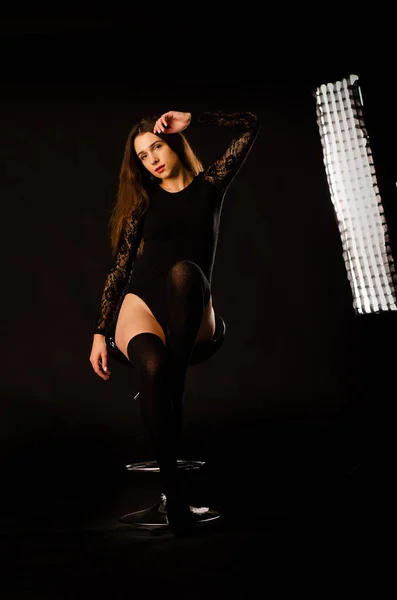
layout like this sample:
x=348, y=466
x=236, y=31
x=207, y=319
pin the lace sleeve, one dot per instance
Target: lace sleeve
x=119, y=274
x=222, y=171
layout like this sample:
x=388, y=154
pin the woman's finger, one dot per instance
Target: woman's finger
x=101, y=369
x=104, y=365
x=157, y=127
x=104, y=376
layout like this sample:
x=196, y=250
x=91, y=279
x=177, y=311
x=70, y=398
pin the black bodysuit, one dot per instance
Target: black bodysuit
x=176, y=226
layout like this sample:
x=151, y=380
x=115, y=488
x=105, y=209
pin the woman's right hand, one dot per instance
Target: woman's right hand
x=172, y=121
x=99, y=356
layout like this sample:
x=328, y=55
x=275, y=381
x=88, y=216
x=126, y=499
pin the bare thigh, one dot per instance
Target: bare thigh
x=136, y=317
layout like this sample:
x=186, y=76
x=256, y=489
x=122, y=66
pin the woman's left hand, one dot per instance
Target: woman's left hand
x=172, y=121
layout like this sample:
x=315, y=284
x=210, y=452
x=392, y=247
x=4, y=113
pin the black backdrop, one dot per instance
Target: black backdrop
x=299, y=374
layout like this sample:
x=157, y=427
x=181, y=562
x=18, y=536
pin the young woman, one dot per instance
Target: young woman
x=157, y=300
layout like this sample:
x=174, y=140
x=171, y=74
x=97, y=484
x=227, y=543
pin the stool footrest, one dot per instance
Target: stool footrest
x=152, y=467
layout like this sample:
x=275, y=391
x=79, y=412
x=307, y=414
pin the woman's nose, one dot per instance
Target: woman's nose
x=153, y=160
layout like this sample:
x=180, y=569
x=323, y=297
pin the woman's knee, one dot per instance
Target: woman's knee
x=146, y=351
x=182, y=271
x=185, y=274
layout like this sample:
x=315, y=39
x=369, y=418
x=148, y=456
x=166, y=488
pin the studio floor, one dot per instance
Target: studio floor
x=291, y=514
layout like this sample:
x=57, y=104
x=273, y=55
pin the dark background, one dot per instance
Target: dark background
x=301, y=384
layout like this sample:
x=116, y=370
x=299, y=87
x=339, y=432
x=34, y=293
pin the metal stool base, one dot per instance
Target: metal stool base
x=155, y=516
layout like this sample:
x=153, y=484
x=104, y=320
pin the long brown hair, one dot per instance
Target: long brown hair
x=132, y=196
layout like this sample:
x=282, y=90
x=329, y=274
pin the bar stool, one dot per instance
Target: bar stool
x=154, y=518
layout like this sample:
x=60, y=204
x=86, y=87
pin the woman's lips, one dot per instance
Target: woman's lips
x=159, y=169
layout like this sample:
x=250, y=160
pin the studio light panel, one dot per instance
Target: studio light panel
x=355, y=196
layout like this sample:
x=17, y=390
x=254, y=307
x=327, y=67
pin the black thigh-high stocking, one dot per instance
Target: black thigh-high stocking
x=148, y=355
x=147, y=352
x=188, y=292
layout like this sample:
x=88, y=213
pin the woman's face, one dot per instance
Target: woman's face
x=156, y=155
